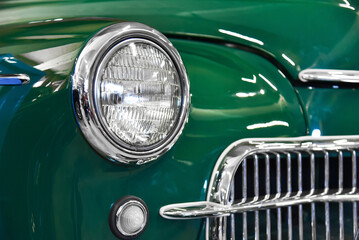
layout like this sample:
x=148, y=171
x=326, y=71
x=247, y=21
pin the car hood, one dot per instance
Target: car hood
x=299, y=34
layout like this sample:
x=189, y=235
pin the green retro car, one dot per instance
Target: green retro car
x=179, y=119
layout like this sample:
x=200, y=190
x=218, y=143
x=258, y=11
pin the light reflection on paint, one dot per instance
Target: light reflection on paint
x=9, y=59
x=280, y=72
x=44, y=37
x=268, y=82
x=205, y=186
x=40, y=82
x=316, y=133
x=249, y=94
x=47, y=20
x=56, y=58
x=288, y=59
x=268, y=124
x=253, y=80
x=234, y=34
x=346, y=4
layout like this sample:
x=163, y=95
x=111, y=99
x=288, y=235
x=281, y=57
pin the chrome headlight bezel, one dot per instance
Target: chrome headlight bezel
x=83, y=93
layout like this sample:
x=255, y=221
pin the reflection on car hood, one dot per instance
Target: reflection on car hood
x=300, y=34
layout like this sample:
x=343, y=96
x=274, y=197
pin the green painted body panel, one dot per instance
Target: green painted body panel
x=331, y=110
x=300, y=34
x=53, y=185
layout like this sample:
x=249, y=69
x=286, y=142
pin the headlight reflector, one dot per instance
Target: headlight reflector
x=138, y=92
x=130, y=93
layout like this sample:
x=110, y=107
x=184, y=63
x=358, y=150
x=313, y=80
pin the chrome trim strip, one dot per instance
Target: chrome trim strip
x=329, y=75
x=14, y=79
x=205, y=209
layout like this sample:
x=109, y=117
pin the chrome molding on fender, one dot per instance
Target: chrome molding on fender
x=328, y=75
x=14, y=79
x=276, y=187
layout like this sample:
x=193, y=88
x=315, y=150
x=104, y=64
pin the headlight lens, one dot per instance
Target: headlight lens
x=138, y=93
x=130, y=93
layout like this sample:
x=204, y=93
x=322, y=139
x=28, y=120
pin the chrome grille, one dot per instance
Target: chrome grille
x=280, y=188
x=287, y=190
x=268, y=186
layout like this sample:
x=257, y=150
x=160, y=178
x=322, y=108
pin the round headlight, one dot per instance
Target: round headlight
x=130, y=93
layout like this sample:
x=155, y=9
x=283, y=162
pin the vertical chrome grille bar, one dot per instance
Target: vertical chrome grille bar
x=244, y=194
x=340, y=173
x=326, y=188
x=279, y=214
x=326, y=172
x=340, y=183
x=354, y=185
x=232, y=217
x=341, y=221
x=289, y=191
x=268, y=222
x=256, y=194
x=312, y=188
x=313, y=222
x=312, y=173
x=300, y=190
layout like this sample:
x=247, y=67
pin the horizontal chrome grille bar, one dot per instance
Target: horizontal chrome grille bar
x=209, y=209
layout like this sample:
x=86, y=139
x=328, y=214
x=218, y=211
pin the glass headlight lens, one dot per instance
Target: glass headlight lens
x=138, y=93
x=130, y=93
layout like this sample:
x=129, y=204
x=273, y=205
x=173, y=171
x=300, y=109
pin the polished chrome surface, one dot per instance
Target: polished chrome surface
x=83, y=92
x=244, y=194
x=280, y=151
x=354, y=185
x=14, y=79
x=300, y=190
x=328, y=75
x=279, y=211
x=268, y=221
x=209, y=209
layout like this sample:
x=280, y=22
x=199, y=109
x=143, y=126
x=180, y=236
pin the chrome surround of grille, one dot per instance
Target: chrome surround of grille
x=219, y=203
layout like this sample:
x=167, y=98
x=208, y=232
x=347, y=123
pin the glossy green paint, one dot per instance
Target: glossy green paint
x=53, y=185
x=331, y=110
x=298, y=33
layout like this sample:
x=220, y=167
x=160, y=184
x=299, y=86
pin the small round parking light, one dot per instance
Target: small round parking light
x=128, y=217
